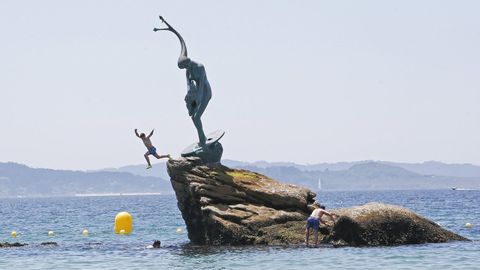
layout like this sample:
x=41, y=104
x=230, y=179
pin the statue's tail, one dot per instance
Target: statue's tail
x=183, y=58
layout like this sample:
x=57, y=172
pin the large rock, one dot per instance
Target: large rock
x=375, y=224
x=223, y=206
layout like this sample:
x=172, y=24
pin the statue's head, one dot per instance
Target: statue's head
x=183, y=62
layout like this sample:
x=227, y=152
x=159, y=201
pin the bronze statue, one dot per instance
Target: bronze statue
x=199, y=91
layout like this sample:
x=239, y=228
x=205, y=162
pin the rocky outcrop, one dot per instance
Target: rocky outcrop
x=9, y=245
x=54, y=244
x=375, y=224
x=224, y=206
x=17, y=244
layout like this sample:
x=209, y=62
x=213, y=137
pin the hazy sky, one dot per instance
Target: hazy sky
x=302, y=81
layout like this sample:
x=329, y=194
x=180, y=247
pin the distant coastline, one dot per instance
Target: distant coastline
x=122, y=194
x=18, y=181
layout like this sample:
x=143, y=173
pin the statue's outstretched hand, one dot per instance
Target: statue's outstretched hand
x=159, y=29
x=165, y=22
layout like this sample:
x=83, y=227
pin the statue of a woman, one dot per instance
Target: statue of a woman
x=199, y=91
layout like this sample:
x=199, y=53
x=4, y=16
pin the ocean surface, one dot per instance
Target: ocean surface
x=157, y=217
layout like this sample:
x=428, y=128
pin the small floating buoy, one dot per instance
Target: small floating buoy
x=85, y=232
x=123, y=222
x=179, y=230
x=51, y=233
x=468, y=225
x=13, y=234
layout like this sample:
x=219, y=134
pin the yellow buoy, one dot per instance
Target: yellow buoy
x=123, y=223
x=13, y=234
x=51, y=233
x=468, y=225
x=85, y=232
x=179, y=230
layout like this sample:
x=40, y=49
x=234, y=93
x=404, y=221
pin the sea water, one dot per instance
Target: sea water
x=157, y=217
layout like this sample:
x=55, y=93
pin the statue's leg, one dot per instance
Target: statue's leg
x=201, y=135
x=197, y=121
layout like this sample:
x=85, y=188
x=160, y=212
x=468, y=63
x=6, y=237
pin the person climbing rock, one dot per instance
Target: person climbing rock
x=314, y=220
x=151, y=149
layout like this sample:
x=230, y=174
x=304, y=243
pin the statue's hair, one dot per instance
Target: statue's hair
x=182, y=60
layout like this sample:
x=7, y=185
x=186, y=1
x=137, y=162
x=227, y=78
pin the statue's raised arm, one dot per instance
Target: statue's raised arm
x=183, y=59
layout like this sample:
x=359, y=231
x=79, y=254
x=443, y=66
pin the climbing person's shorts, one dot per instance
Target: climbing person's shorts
x=152, y=151
x=313, y=223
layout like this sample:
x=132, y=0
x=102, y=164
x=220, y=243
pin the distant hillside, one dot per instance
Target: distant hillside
x=364, y=176
x=439, y=168
x=158, y=170
x=20, y=180
x=425, y=168
x=337, y=166
x=360, y=175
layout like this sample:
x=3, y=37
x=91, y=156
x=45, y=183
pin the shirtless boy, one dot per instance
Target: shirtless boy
x=314, y=222
x=151, y=149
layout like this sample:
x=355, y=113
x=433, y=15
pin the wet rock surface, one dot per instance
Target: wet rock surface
x=49, y=244
x=17, y=244
x=10, y=245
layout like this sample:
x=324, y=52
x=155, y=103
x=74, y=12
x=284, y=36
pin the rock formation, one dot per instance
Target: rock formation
x=17, y=244
x=377, y=224
x=224, y=206
x=9, y=245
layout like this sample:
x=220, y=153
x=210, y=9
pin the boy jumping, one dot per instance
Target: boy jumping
x=151, y=149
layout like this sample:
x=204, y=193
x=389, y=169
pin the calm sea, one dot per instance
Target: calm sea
x=157, y=217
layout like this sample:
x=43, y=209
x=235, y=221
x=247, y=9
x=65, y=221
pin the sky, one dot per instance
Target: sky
x=300, y=81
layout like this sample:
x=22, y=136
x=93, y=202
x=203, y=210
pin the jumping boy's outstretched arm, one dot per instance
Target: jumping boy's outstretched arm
x=151, y=133
x=136, y=133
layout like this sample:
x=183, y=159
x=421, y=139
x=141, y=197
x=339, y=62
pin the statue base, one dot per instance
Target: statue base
x=211, y=152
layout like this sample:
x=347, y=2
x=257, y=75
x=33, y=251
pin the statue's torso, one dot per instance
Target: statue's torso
x=198, y=74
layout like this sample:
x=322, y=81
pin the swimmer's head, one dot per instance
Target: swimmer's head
x=142, y=135
x=156, y=244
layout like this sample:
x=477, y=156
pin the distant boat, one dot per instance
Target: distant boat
x=454, y=188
